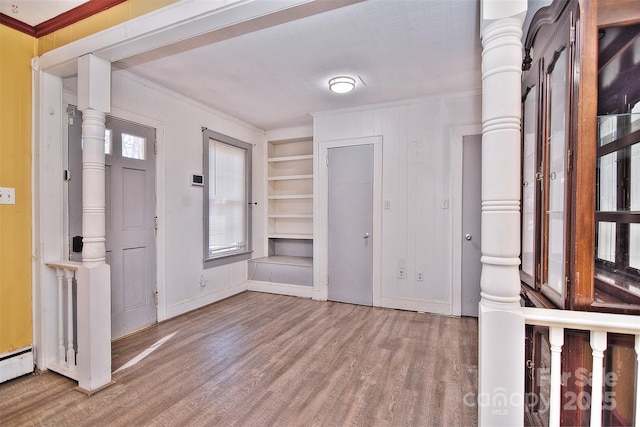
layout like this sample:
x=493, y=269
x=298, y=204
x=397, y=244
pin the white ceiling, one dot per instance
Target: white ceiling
x=274, y=77
x=34, y=12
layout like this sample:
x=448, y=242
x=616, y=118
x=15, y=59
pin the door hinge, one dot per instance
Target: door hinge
x=155, y=223
x=566, y=285
x=569, y=161
x=155, y=147
x=327, y=160
x=572, y=34
x=155, y=298
x=71, y=114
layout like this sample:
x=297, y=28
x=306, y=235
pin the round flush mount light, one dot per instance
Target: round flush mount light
x=342, y=84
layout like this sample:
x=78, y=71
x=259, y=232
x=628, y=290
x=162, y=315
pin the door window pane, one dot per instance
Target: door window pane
x=133, y=147
x=108, y=142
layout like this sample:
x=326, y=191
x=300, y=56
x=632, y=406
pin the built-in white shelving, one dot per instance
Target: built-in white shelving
x=289, y=215
x=290, y=194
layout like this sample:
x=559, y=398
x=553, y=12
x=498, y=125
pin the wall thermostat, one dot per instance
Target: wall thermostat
x=197, y=180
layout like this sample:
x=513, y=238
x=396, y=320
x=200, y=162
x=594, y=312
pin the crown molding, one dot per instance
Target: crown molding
x=72, y=16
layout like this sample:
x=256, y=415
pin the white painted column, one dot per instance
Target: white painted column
x=501, y=324
x=93, y=187
x=94, y=100
x=94, y=277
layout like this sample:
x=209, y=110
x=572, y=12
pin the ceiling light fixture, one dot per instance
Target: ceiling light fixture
x=342, y=84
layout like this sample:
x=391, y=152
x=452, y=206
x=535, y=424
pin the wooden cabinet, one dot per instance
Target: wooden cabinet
x=581, y=85
x=559, y=128
x=580, y=127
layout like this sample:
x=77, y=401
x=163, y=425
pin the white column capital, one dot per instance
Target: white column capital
x=500, y=9
x=94, y=84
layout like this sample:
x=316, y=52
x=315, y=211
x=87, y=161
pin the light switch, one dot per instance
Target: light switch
x=7, y=196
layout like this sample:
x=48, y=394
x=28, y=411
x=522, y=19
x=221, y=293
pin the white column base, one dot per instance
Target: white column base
x=94, y=327
x=500, y=366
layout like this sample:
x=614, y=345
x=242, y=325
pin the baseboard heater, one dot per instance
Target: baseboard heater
x=16, y=363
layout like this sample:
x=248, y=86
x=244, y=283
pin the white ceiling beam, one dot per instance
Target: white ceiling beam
x=178, y=22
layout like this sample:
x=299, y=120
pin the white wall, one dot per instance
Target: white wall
x=180, y=205
x=417, y=180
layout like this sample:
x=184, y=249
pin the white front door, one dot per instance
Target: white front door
x=129, y=220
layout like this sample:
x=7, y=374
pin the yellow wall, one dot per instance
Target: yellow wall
x=16, y=51
x=116, y=15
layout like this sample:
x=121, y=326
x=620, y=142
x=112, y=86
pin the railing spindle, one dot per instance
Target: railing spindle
x=61, y=349
x=71, y=353
x=556, y=341
x=64, y=359
x=598, y=345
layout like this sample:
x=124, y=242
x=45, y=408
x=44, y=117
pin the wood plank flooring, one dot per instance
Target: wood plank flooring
x=258, y=359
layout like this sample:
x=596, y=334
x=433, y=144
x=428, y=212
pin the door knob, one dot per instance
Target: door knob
x=467, y=236
x=365, y=235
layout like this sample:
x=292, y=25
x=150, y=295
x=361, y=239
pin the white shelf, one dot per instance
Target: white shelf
x=289, y=177
x=291, y=236
x=291, y=215
x=290, y=196
x=291, y=158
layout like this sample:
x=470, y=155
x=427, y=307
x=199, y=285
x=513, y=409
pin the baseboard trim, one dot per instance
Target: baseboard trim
x=16, y=364
x=281, y=289
x=195, y=303
x=423, y=306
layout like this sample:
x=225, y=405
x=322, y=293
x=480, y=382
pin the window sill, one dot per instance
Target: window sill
x=224, y=260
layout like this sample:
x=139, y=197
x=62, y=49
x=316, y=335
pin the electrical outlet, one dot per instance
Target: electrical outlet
x=7, y=196
x=203, y=282
x=401, y=273
x=419, y=276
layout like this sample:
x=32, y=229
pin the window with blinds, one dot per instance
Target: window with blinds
x=228, y=193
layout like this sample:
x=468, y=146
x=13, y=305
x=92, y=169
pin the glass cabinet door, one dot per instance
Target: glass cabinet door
x=529, y=186
x=555, y=179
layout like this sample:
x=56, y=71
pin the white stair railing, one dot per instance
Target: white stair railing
x=65, y=361
x=598, y=325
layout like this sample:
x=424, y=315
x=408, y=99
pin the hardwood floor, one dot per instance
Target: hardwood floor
x=258, y=359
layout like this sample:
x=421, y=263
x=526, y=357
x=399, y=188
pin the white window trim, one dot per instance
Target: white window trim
x=209, y=261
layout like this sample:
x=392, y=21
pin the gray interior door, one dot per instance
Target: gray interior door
x=129, y=220
x=350, y=221
x=471, y=210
